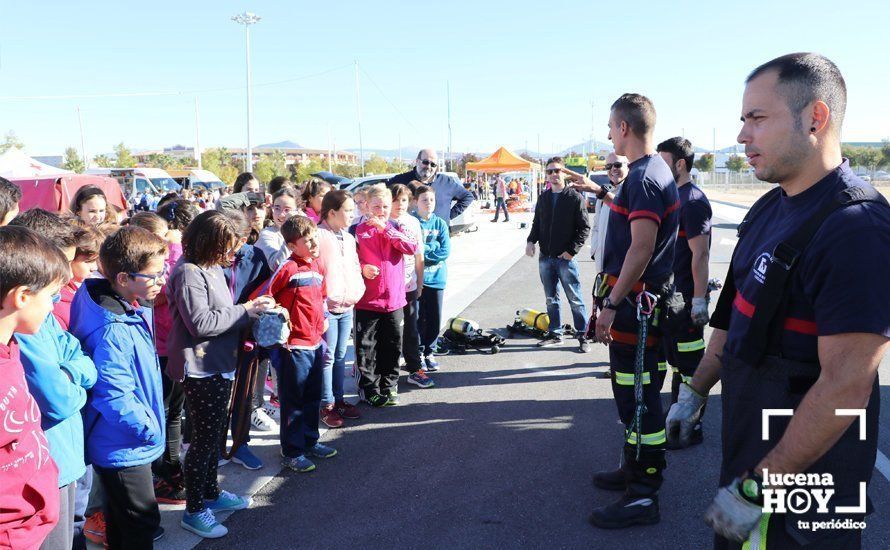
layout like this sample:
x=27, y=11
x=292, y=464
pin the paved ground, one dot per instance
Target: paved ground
x=500, y=454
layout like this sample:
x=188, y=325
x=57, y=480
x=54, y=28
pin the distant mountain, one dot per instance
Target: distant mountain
x=287, y=144
x=591, y=146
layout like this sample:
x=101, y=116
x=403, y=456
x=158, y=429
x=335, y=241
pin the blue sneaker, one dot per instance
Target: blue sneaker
x=203, y=524
x=322, y=451
x=245, y=457
x=431, y=364
x=298, y=464
x=420, y=379
x=227, y=501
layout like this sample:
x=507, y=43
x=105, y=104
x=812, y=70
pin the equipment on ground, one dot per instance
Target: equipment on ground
x=463, y=334
x=535, y=323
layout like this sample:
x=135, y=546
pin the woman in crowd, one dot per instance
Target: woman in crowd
x=90, y=205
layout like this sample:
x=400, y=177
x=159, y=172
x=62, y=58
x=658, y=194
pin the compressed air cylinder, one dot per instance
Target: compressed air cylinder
x=462, y=326
x=534, y=319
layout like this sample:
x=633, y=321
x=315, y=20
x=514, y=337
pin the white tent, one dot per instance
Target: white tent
x=16, y=165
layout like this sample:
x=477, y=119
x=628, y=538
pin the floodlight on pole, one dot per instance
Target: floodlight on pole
x=247, y=19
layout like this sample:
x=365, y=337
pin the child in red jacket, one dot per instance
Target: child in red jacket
x=299, y=286
x=382, y=244
x=32, y=272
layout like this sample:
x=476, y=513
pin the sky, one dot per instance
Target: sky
x=520, y=73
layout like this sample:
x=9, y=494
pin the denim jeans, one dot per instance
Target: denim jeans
x=554, y=271
x=337, y=339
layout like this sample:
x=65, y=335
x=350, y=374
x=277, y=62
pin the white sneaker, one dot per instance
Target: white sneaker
x=272, y=412
x=261, y=421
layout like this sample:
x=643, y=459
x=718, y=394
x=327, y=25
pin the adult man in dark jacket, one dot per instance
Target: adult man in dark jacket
x=561, y=227
x=451, y=197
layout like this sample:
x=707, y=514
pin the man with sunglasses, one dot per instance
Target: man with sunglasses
x=560, y=226
x=617, y=169
x=451, y=197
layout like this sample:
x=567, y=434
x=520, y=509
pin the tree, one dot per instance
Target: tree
x=103, y=161
x=705, y=163
x=347, y=170
x=10, y=141
x=303, y=172
x=376, y=165
x=397, y=166
x=736, y=163
x=73, y=161
x=870, y=158
x=462, y=164
x=123, y=158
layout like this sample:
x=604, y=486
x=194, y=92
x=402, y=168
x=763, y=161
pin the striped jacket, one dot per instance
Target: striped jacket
x=299, y=287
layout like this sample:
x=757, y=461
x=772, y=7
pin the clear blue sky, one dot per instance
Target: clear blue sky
x=516, y=70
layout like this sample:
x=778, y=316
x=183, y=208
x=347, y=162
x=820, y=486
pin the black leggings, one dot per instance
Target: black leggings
x=207, y=401
x=169, y=466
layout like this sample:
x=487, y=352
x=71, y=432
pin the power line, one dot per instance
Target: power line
x=408, y=121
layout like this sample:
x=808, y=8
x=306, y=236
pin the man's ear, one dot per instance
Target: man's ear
x=820, y=117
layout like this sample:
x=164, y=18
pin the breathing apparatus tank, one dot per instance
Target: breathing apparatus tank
x=534, y=319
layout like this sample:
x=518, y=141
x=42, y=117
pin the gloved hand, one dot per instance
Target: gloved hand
x=731, y=515
x=684, y=415
x=699, y=312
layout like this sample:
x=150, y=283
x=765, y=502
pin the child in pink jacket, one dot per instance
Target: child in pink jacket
x=382, y=244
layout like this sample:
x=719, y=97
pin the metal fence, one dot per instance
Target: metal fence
x=733, y=182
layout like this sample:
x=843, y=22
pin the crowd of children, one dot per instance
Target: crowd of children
x=113, y=328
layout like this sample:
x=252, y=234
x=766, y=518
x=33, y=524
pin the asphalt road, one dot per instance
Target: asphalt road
x=499, y=455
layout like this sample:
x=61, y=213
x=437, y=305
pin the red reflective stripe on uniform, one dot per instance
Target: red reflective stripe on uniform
x=619, y=209
x=631, y=338
x=671, y=208
x=638, y=287
x=801, y=326
x=681, y=233
x=648, y=214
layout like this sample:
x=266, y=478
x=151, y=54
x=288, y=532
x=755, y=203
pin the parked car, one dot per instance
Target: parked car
x=337, y=182
x=358, y=183
x=600, y=177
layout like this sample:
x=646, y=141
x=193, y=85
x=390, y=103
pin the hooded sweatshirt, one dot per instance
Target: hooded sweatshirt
x=338, y=259
x=29, y=489
x=59, y=375
x=124, y=417
x=384, y=250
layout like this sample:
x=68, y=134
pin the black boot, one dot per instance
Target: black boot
x=610, y=480
x=639, y=504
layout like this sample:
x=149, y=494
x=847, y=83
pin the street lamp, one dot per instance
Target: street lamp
x=247, y=19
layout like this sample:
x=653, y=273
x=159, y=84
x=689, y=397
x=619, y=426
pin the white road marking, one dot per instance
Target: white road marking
x=882, y=464
x=727, y=241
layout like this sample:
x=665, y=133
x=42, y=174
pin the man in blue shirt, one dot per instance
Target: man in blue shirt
x=683, y=343
x=451, y=197
x=637, y=264
x=828, y=335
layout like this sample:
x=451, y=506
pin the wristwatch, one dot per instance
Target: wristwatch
x=608, y=304
x=751, y=488
x=602, y=193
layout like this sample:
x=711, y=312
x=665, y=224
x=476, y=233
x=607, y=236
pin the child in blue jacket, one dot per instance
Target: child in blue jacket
x=436, y=249
x=58, y=375
x=124, y=417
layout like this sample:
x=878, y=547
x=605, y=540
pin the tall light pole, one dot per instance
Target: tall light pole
x=247, y=19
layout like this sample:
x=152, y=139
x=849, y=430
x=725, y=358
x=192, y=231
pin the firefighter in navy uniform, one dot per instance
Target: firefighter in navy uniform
x=683, y=341
x=638, y=259
x=801, y=323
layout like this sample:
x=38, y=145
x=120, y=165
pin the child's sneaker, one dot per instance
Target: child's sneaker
x=260, y=420
x=272, y=411
x=322, y=451
x=421, y=380
x=298, y=464
x=227, y=501
x=168, y=492
x=330, y=416
x=347, y=410
x=245, y=457
x=431, y=364
x=203, y=524
x=392, y=400
x=376, y=400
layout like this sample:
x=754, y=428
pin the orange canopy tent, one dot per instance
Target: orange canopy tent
x=502, y=161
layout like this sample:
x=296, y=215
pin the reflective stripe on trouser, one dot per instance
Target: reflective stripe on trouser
x=684, y=353
x=645, y=473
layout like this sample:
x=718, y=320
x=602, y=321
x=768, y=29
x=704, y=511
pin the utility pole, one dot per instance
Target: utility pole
x=83, y=147
x=197, y=135
x=358, y=109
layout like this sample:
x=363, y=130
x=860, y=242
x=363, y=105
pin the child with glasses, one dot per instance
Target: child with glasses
x=124, y=418
x=203, y=353
x=285, y=203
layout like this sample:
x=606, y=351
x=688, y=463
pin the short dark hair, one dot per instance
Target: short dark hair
x=297, y=227
x=637, y=111
x=84, y=194
x=332, y=202
x=129, y=250
x=555, y=160
x=208, y=239
x=150, y=221
x=172, y=196
x=90, y=241
x=28, y=259
x=399, y=189
x=421, y=189
x=286, y=192
x=239, y=222
x=10, y=195
x=50, y=226
x=242, y=180
x=277, y=183
x=806, y=77
x=680, y=149
x=178, y=213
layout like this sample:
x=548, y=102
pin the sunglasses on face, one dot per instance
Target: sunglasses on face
x=152, y=279
x=616, y=165
x=428, y=163
x=553, y=171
